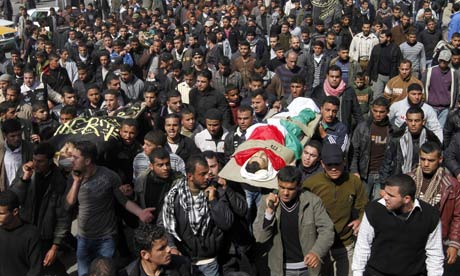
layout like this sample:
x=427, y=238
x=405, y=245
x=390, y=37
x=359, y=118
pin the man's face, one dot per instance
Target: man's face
x=334, y=78
x=329, y=112
x=393, y=199
x=189, y=80
x=28, y=79
x=213, y=126
x=431, y=26
x=259, y=104
x=296, y=90
x=172, y=127
x=82, y=75
x=111, y=102
x=455, y=41
x=178, y=44
x=114, y=84
x=273, y=41
x=199, y=177
x=233, y=96
x=41, y=163
x=415, y=123
x=430, y=162
x=310, y=156
x=126, y=76
x=79, y=163
x=148, y=147
x=70, y=99
x=379, y=113
x=82, y=51
x=244, y=50
x=174, y=104
x=414, y=97
x=333, y=171
x=10, y=113
x=3, y=85
x=41, y=115
x=295, y=43
x=443, y=65
x=383, y=39
x=455, y=60
x=104, y=60
x=405, y=20
x=54, y=63
x=13, y=139
x=6, y=216
x=213, y=168
x=198, y=60
x=330, y=40
x=291, y=61
x=188, y=121
x=12, y=95
x=159, y=254
x=288, y=191
x=317, y=50
x=65, y=118
x=149, y=99
x=359, y=82
x=128, y=134
x=93, y=96
x=202, y=83
x=412, y=39
x=161, y=167
x=244, y=119
x=255, y=84
x=405, y=70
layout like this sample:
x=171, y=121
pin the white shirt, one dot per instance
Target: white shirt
x=434, y=252
x=204, y=141
x=361, y=45
x=12, y=161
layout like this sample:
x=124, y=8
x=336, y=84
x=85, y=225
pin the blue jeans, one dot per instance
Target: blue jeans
x=211, y=269
x=373, y=186
x=88, y=250
x=442, y=116
x=252, y=198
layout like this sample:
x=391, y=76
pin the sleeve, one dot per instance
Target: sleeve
x=449, y=129
x=237, y=203
x=324, y=228
x=433, y=124
x=356, y=109
x=19, y=187
x=119, y=196
x=454, y=231
x=263, y=231
x=450, y=156
x=362, y=247
x=361, y=196
x=434, y=253
x=422, y=59
x=353, y=52
x=34, y=254
x=388, y=161
x=221, y=213
x=355, y=141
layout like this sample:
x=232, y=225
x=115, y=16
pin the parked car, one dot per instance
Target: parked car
x=7, y=35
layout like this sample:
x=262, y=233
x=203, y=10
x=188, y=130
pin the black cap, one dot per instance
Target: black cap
x=214, y=114
x=197, y=52
x=166, y=56
x=331, y=154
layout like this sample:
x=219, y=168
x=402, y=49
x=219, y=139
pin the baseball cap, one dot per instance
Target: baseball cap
x=197, y=52
x=445, y=55
x=331, y=154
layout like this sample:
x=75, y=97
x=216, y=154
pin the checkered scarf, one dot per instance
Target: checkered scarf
x=196, y=209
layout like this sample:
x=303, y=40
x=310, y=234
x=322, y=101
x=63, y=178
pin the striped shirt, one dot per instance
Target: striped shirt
x=361, y=46
x=141, y=163
x=416, y=54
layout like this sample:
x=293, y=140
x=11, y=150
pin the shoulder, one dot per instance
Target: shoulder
x=307, y=197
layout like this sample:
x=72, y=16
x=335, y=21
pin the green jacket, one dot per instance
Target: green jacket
x=315, y=232
x=344, y=201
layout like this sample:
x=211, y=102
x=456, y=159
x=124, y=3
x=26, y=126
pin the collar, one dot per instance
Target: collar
x=416, y=205
x=18, y=150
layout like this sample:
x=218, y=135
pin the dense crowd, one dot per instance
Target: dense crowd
x=336, y=123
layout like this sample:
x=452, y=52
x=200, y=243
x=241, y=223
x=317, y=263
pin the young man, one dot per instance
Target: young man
x=21, y=254
x=344, y=198
x=310, y=161
x=369, y=144
x=212, y=138
x=237, y=136
x=190, y=127
x=437, y=187
x=399, y=234
x=397, y=87
x=280, y=222
x=176, y=142
x=196, y=218
x=155, y=258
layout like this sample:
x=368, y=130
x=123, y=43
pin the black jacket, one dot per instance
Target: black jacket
x=349, y=105
x=452, y=126
x=203, y=101
x=186, y=148
x=373, y=66
x=393, y=160
x=56, y=79
x=361, y=147
x=52, y=220
x=452, y=155
x=198, y=247
x=179, y=266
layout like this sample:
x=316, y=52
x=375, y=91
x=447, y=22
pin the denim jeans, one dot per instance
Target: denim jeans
x=442, y=116
x=372, y=185
x=296, y=272
x=338, y=261
x=88, y=250
x=211, y=269
x=379, y=85
x=252, y=198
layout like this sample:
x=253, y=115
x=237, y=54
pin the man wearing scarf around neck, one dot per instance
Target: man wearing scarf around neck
x=369, y=143
x=196, y=216
x=334, y=86
x=436, y=186
x=401, y=153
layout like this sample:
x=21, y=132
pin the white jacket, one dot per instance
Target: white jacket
x=204, y=142
x=398, y=116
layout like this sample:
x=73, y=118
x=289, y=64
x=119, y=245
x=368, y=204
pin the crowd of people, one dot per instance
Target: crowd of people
x=117, y=117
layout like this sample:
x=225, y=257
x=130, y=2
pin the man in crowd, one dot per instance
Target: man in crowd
x=176, y=142
x=280, y=221
x=396, y=87
x=310, y=161
x=344, y=198
x=369, y=144
x=386, y=246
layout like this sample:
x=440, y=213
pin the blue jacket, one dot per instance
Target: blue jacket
x=454, y=25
